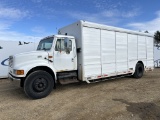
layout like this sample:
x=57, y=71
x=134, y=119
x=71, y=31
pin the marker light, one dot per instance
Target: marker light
x=19, y=72
x=50, y=56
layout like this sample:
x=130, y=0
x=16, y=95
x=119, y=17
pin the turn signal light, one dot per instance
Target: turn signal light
x=19, y=72
x=50, y=56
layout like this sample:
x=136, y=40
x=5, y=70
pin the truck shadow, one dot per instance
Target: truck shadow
x=146, y=111
x=83, y=84
x=19, y=92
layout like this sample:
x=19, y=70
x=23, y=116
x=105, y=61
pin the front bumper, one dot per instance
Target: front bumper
x=11, y=77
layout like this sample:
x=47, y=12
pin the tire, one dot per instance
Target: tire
x=38, y=84
x=22, y=83
x=139, y=71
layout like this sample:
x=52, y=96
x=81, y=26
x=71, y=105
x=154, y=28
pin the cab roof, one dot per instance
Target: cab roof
x=62, y=36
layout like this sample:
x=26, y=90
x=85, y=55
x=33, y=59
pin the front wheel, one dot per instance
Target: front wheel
x=138, y=71
x=38, y=84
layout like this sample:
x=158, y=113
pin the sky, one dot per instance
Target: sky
x=31, y=20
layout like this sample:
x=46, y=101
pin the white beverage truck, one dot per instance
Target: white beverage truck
x=86, y=51
x=8, y=48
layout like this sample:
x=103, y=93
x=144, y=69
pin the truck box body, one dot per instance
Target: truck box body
x=105, y=51
x=8, y=48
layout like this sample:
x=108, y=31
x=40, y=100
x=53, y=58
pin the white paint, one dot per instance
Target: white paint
x=132, y=47
x=141, y=47
x=63, y=61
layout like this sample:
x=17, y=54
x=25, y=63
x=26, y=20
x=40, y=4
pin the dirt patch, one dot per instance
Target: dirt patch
x=146, y=111
x=82, y=101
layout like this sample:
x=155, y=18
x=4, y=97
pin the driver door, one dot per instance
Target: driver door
x=64, y=60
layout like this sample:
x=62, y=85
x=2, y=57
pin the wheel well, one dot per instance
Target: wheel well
x=141, y=63
x=44, y=68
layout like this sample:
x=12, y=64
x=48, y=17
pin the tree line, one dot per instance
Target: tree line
x=157, y=39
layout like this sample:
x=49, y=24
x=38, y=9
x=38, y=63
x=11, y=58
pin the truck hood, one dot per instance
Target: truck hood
x=33, y=56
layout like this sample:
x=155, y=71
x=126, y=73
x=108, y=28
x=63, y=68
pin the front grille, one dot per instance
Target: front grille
x=10, y=61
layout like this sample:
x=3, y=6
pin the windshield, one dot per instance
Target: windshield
x=45, y=44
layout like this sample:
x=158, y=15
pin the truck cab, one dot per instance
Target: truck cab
x=39, y=70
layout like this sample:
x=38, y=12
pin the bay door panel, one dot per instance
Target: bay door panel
x=108, y=53
x=121, y=53
x=91, y=52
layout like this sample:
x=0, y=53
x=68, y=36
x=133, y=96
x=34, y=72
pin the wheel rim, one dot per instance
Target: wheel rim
x=40, y=84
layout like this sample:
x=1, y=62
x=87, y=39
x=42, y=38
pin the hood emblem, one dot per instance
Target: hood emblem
x=39, y=56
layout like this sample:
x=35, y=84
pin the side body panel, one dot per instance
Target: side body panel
x=108, y=53
x=121, y=53
x=91, y=52
x=150, y=52
x=132, y=51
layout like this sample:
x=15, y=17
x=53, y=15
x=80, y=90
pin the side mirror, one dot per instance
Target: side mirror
x=79, y=50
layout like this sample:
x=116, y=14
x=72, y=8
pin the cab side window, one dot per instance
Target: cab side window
x=58, y=45
x=62, y=46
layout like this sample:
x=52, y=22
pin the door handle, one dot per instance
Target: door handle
x=72, y=59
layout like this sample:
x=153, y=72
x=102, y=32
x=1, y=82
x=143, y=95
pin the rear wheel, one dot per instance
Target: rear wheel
x=139, y=71
x=38, y=84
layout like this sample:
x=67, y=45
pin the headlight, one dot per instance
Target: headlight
x=10, y=61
